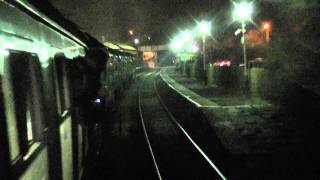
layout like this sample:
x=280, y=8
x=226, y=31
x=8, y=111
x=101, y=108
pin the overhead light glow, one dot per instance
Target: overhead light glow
x=186, y=36
x=177, y=45
x=204, y=27
x=136, y=41
x=243, y=11
x=193, y=48
x=131, y=32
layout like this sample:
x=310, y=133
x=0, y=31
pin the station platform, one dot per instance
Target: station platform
x=244, y=126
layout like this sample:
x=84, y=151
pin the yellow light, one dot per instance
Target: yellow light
x=266, y=26
x=131, y=32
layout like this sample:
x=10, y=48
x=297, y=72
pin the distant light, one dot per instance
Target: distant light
x=193, y=48
x=131, y=32
x=204, y=27
x=98, y=100
x=222, y=63
x=186, y=36
x=266, y=26
x=177, y=45
x=243, y=11
x=149, y=38
x=136, y=41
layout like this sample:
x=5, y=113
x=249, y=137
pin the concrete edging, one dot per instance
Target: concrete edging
x=220, y=118
x=194, y=98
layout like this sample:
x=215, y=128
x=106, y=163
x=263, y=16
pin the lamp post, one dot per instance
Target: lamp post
x=204, y=52
x=242, y=12
x=244, y=49
x=204, y=29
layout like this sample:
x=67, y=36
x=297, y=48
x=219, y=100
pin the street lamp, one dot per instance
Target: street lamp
x=204, y=29
x=131, y=32
x=242, y=12
x=266, y=27
x=136, y=41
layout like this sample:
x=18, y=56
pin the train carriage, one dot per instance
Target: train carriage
x=42, y=135
x=56, y=85
x=119, y=69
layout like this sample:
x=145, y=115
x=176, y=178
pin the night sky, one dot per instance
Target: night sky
x=158, y=19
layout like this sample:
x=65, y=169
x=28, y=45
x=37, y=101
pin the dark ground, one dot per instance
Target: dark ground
x=124, y=153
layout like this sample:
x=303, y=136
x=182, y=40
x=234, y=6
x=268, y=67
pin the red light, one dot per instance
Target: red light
x=222, y=63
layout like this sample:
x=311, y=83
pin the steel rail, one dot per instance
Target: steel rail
x=144, y=129
x=173, y=119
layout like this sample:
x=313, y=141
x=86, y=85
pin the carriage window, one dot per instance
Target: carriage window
x=62, y=84
x=24, y=77
x=8, y=109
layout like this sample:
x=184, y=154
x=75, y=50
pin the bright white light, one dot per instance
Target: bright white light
x=243, y=11
x=193, y=48
x=4, y=52
x=98, y=101
x=136, y=41
x=186, y=36
x=266, y=26
x=177, y=45
x=204, y=27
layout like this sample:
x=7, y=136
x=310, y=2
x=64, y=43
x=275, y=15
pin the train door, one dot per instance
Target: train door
x=22, y=101
x=79, y=130
x=52, y=120
x=65, y=120
x=109, y=78
x=4, y=144
x=114, y=71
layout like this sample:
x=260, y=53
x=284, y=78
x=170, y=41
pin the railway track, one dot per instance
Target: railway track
x=174, y=153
